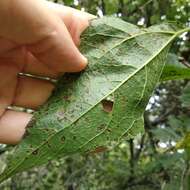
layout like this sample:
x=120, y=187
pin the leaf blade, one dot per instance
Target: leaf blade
x=68, y=123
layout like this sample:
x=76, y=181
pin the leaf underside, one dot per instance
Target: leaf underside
x=125, y=64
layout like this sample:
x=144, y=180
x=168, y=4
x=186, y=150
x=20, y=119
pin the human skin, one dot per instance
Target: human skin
x=40, y=38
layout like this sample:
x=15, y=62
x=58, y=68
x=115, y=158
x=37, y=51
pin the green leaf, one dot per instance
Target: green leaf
x=111, y=6
x=125, y=63
x=184, y=143
x=174, y=70
x=165, y=134
x=185, y=97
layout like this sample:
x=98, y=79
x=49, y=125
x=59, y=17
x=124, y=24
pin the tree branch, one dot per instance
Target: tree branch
x=185, y=175
x=131, y=161
x=138, y=153
x=103, y=7
x=121, y=8
x=150, y=135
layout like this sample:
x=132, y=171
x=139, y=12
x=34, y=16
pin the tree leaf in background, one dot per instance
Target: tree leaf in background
x=184, y=143
x=174, y=70
x=111, y=6
x=185, y=97
x=166, y=134
x=124, y=62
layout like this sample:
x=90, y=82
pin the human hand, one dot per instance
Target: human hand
x=40, y=38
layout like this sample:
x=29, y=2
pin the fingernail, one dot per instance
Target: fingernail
x=85, y=60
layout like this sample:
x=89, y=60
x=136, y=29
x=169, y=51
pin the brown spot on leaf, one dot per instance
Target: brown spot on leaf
x=60, y=115
x=48, y=144
x=66, y=98
x=98, y=150
x=31, y=123
x=107, y=105
x=26, y=134
x=101, y=127
x=35, y=152
x=109, y=130
x=63, y=139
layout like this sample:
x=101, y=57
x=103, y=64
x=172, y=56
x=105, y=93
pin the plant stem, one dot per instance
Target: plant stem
x=182, y=31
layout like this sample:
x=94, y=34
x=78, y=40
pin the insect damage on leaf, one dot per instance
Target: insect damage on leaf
x=107, y=105
x=98, y=150
x=124, y=61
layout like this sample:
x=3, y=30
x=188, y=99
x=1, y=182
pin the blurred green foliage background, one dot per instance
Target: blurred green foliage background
x=159, y=158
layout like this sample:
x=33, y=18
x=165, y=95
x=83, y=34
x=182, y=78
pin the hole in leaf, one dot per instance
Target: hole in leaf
x=107, y=105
